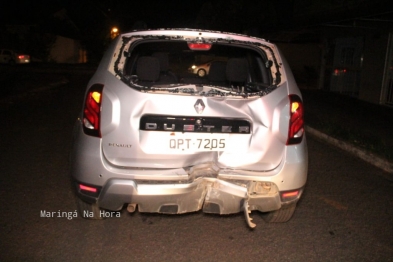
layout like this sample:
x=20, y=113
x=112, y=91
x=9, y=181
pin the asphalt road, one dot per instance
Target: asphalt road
x=346, y=213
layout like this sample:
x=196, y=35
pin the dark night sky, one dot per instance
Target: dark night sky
x=157, y=14
x=174, y=13
x=96, y=17
x=122, y=13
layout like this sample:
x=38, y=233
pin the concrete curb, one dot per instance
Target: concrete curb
x=362, y=154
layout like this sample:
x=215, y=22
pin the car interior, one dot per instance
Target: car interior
x=169, y=62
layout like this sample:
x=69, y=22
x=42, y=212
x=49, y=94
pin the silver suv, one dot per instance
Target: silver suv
x=155, y=137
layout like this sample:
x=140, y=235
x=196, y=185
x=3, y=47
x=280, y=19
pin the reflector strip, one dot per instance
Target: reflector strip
x=87, y=188
x=290, y=194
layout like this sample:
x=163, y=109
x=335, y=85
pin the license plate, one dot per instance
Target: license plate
x=183, y=143
x=197, y=144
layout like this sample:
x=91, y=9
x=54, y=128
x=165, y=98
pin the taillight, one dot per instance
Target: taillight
x=296, y=121
x=92, y=111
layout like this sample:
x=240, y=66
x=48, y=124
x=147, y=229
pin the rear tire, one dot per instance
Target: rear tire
x=87, y=210
x=281, y=215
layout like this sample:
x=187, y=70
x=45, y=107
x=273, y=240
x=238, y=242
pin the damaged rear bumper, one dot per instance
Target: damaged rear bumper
x=211, y=195
x=203, y=187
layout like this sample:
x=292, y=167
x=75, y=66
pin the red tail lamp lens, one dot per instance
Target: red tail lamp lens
x=92, y=111
x=296, y=121
x=199, y=46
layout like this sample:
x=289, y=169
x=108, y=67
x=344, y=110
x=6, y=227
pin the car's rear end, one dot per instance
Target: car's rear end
x=154, y=136
x=21, y=58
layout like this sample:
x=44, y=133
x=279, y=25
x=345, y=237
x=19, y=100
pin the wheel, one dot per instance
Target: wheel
x=281, y=215
x=87, y=210
x=201, y=72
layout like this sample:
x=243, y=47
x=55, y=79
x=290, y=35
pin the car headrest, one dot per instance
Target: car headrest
x=163, y=59
x=148, y=68
x=237, y=70
x=217, y=71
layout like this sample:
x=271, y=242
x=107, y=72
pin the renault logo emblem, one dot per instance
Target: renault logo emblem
x=199, y=106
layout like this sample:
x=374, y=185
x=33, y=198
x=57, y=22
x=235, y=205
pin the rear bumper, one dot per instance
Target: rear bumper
x=212, y=195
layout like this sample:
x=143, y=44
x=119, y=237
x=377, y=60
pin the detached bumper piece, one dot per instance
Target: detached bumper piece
x=247, y=213
x=212, y=195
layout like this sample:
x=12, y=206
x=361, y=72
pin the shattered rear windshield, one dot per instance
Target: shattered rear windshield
x=179, y=66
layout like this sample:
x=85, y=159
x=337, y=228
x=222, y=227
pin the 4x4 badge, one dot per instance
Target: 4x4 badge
x=199, y=106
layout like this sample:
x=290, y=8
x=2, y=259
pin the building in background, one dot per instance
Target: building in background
x=67, y=50
x=342, y=47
